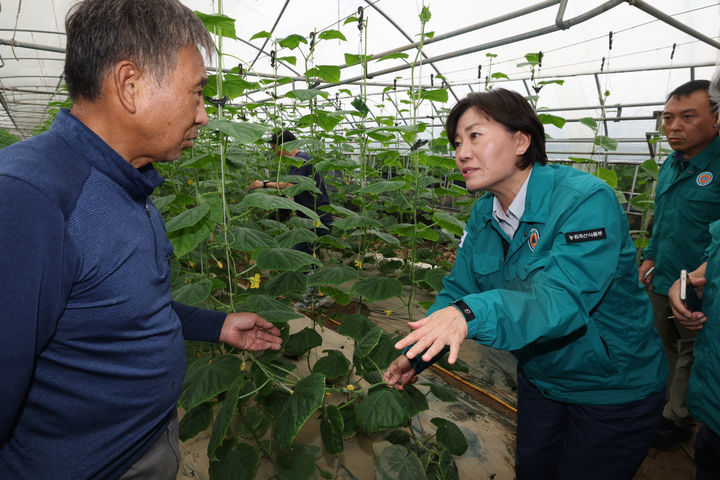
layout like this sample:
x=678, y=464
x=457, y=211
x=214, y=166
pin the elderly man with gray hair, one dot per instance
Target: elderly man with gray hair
x=92, y=356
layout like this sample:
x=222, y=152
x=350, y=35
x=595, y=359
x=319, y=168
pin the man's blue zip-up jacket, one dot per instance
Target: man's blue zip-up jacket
x=91, y=352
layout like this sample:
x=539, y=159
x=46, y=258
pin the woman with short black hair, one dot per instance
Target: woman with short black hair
x=546, y=269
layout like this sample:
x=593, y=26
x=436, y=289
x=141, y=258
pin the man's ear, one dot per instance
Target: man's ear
x=126, y=80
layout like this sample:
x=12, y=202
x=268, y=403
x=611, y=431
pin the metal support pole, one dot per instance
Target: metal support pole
x=672, y=22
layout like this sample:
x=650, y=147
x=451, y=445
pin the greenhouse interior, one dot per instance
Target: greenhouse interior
x=365, y=88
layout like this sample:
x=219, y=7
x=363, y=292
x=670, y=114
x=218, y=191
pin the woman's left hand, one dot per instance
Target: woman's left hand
x=431, y=334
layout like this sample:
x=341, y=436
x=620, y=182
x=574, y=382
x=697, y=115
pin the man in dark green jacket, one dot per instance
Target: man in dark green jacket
x=687, y=200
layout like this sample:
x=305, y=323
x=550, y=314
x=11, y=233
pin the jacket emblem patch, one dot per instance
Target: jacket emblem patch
x=586, y=235
x=533, y=238
x=704, y=178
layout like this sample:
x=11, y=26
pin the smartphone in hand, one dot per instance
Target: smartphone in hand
x=688, y=294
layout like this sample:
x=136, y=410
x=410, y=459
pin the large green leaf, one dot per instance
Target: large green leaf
x=306, y=95
x=354, y=59
x=335, y=275
x=606, y=143
x=378, y=288
x=332, y=365
x=219, y=24
x=651, y=167
x=223, y=418
x=355, y=326
x=297, y=464
x=261, y=34
x=249, y=239
x=447, y=163
x=396, y=462
x=589, y=122
x=449, y=436
x=285, y=282
x=434, y=278
x=391, y=56
x=292, y=41
x=195, y=421
x=368, y=342
x=331, y=430
x=416, y=400
x=284, y=259
x=234, y=85
x=438, y=95
x=306, y=398
x=188, y=218
x=385, y=237
x=204, y=161
x=208, y=377
x=356, y=221
x=295, y=236
x=382, y=186
x=239, y=463
x=193, y=293
x=186, y=240
x=327, y=121
x=360, y=105
x=443, y=394
x=268, y=201
x=163, y=203
x=381, y=409
x=338, y=294
x=244, y=133
x=331, y=34
x=269, y=308
x=609, y=176
x=449, y=223
x=303, y=341
x=251, y=422
x=383, y=354
x=547, y=119
x=329, y=73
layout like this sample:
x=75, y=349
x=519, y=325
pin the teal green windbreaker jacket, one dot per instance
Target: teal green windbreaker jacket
x=566, y=298
x=686, y=203
x=704, y=386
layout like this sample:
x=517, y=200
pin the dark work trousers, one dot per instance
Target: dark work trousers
x=563, y=441
x=162, y=460
x=306, y=247
x=707, y=454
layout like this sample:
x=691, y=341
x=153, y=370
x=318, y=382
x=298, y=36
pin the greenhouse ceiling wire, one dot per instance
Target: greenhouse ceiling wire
x=613, y=60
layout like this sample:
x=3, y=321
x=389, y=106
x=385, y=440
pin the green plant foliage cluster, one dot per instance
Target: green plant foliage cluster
x=234, y=252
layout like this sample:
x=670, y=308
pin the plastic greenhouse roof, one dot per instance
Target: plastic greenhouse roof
x=632, y=50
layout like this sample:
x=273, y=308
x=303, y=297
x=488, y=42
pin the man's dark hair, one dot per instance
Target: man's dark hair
x=282, y=137
x=512, y=111
x=691, y=87
x=101, y=33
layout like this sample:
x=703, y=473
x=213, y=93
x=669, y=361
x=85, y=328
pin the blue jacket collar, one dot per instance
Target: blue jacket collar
x=92, y=149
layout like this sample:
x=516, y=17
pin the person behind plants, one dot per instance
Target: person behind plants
x=308, y=199
x=687, y=200
x=92, y=356
x=546, y=269
x=703, y=396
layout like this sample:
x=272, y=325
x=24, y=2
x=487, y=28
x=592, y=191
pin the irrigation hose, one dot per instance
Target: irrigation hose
x=451, y=374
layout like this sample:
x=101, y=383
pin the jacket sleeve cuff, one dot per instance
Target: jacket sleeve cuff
x=199, y=323
x=419, y=364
